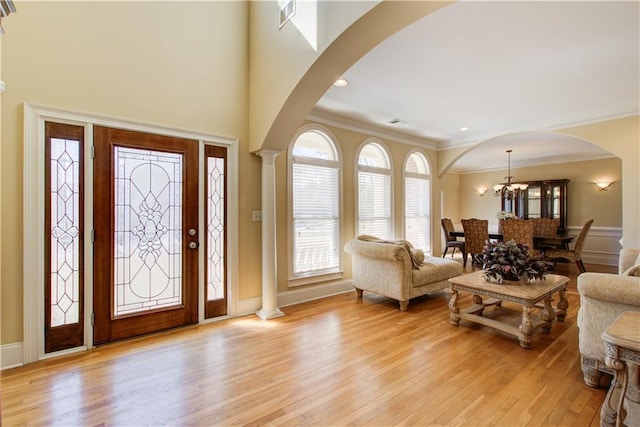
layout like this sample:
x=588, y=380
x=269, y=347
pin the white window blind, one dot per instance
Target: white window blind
x=374, y=204
x=315, y=192
x=315, y=218
x=374, y=192
x=417, y=202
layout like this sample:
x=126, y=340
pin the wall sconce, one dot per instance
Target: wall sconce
x=603, y=185
x=482, y=191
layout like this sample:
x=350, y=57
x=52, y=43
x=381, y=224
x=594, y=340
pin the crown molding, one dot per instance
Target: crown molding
x=330, y=119
x=543, y=161
x=557, y=128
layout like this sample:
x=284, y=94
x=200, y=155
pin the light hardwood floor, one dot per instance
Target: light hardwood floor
x=334, y=361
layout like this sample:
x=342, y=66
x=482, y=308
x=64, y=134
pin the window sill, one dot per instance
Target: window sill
x=316, y=278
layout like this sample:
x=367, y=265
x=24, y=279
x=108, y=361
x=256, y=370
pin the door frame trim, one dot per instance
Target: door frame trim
x=35, y=116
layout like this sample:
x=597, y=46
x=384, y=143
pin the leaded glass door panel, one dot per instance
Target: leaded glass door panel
x=146, y=239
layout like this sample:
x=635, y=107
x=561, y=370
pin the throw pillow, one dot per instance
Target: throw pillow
x=418, y=255
x=632, y=271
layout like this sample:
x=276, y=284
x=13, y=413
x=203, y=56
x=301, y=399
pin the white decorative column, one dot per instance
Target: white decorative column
x=269, y=308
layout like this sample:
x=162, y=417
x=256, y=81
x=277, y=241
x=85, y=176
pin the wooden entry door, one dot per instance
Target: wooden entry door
x=146, y=233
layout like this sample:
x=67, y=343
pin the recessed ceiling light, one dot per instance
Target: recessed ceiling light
x=341, y=82
x=463, y=129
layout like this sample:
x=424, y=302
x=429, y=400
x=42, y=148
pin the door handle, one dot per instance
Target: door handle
x=193, y=245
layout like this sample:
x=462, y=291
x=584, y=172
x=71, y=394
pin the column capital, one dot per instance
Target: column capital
x=268, y=154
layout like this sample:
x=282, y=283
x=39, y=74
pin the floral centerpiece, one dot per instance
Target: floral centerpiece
x=511, y=261
x=506, y=215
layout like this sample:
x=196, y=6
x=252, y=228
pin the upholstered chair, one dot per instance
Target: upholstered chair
x=520, y=231
x=574, y=254
x=604, y=297
x=476, y=236
x=545, y=227
x=452, y=241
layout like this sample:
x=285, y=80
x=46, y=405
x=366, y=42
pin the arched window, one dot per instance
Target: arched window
x=374, y=191
x=417, y=201
x=314, y=208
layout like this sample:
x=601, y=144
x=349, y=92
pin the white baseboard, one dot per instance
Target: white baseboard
x=309, y=294
x=249, y=306
x=601, y=258
x=297, y=296
x=11, y=355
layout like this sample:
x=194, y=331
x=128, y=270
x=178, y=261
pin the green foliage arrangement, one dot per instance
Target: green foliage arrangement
x=511, y=261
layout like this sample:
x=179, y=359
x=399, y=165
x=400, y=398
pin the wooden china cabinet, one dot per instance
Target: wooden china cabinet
x=541, y=199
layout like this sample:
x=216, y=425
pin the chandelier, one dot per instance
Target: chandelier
x=508, y=190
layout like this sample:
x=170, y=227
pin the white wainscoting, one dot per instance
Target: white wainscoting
x=601, y=246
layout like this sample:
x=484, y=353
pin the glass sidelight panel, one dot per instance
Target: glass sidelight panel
x=65, y=250
x=63, y=237
x=215, y=228
x=215, y=214
x=147, y=230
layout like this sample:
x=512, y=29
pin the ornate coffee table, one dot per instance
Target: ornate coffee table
x=527, y=295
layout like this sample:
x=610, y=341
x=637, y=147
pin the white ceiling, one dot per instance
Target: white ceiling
x=503, y=69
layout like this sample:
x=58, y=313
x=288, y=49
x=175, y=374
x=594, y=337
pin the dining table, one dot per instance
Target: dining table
x=557, y=240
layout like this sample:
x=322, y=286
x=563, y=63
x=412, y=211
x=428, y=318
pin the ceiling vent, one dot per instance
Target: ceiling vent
x=397, y=122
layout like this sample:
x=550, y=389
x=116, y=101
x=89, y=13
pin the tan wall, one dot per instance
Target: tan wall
x=349, y=142
x=584, y=200
x=450, y=184
x=184, y=67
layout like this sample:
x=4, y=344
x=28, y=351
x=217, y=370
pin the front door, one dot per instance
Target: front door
x=146, y=233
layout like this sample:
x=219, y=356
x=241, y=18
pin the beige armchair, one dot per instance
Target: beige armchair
x=604, y=297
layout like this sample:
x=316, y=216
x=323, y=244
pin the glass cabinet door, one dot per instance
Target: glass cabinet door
x=533, y=205
x=552, y=200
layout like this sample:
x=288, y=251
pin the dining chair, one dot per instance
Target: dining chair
x=574, y=254
x=545, y=227
x=476, y=237
x=520, y=231
x=452, y=241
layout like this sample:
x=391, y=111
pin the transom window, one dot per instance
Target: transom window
x=315, y=183
x=374, y=191
x=417, y=201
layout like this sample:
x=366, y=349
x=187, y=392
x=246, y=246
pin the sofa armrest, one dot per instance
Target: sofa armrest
x=610, y=287
x=379, y=251
x=627, y=259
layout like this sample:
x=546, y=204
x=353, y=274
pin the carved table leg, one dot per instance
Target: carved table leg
x=547, y=315
x=563, y=306
x=454, y=310
x=612, y=412
x=526, y=327
x=359, y=293
x=477, y=299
